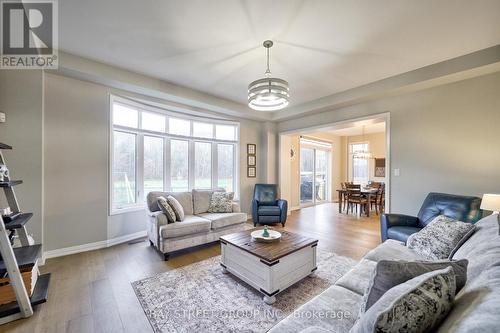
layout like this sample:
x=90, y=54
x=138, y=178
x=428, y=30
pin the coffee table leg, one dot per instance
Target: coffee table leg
x=269, y=299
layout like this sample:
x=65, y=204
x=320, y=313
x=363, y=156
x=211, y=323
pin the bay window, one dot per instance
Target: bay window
x=157, y=150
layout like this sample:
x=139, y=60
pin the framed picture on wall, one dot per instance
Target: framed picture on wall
x=251, y=172
x=251, y=149
x=379, y=167
x=251, y=160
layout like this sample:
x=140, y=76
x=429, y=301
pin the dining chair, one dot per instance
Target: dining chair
x=354, y=199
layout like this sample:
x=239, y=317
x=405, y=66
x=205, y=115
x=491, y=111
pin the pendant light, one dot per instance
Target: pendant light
x=268, y=93
x=363, y=154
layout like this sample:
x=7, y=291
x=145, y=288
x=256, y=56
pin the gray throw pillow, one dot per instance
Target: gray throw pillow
x=441, y=238
x=166, y=209
x=221, y=202
x=390, y=273
x=201, y=200
x=418, y=305
x=177, y=208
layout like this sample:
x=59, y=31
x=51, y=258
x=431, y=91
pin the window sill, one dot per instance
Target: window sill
x=129, y=209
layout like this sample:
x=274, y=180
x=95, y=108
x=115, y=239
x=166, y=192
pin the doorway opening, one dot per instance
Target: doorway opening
x=315, y=171
x=316, y=163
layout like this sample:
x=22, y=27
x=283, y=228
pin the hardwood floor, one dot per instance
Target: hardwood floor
x=91, y=291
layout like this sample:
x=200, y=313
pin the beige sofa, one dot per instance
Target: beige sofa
x=198, y=227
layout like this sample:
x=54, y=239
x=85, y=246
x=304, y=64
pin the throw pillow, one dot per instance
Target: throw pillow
x=221, y=202
x=389, y=273
x=177, y=208
x=201, y=200
x=166, y=209
x=418, y=305
x=441, y=238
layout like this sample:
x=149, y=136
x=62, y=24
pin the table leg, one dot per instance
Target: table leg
x=340, y=201
x=368, y=205
x=269, y=299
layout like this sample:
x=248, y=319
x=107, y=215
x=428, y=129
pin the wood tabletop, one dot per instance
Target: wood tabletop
x=289, y=243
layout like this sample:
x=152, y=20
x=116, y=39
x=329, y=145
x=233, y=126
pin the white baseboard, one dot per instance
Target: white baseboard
x=91, y=246
x=294, y=208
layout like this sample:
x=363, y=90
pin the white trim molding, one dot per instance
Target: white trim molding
x=91, y=246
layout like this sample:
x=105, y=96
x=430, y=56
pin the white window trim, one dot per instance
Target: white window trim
x=351, y=157
x=139, y=168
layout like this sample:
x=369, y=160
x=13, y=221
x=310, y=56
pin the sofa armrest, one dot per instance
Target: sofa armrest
x=255, y=209
x=283, y=205
x=391, y=220
x=236, y=207
x=154, y=214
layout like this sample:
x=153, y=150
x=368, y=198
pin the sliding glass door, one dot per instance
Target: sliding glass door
x=314, y=175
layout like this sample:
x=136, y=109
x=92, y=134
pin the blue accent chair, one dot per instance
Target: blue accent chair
x=458, y=207
x=267, y=208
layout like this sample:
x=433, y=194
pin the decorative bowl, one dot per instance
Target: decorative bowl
x=274, y=236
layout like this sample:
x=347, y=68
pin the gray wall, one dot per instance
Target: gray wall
x=21, y=98
x=76, y=165
x=75, y=160
x=443, y=139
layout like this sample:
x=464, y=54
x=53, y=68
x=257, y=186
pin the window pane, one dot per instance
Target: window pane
x=179, y=126
x=153, y=164
x=360, y=170
x=306, y=174
x=124, y=187
x=225, y=132
x=225, y=167
x=124, y=116
x=202, y=165
x=203, y=130
x=179, y=166
x=153, y=122
x=321, y=175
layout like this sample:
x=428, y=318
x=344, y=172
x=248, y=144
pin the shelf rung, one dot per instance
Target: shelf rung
x=39, y=296
x=26, y=257
x=19, y=221
x=11, y=183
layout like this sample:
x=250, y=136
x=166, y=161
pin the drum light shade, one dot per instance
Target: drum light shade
x=491, y=202
x=269, y=93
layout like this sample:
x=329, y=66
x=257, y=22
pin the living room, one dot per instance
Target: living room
x=132, y=104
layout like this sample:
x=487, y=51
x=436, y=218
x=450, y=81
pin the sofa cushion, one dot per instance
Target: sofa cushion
x=401, y=233
x=177, y=208
x=184, y=198
x=201, y=200
x=388, y=274
x=221, y=202
x=392, y=249
x=166, y=209
x=476, y=307
x=441, y=238
x=358, y=278
x=191, y=225
x=221, y=220
x=333, y=310
x=417, y=305
x=269, y=211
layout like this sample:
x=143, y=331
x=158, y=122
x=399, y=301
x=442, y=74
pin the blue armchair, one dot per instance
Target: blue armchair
x=400, y=227
x=267, y=208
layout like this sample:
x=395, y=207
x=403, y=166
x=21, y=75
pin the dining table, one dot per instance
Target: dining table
x=366, y=191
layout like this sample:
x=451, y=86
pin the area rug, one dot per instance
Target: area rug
x=200, y=298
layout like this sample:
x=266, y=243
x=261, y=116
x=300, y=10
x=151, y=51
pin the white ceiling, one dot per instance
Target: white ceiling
x=360, y=129
x=321, y=47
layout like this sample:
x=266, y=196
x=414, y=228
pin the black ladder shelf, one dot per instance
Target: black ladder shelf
x=16, y=260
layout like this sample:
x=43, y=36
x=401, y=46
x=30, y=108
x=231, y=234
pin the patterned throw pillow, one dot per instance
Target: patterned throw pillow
x=418, y=305
x=441, y=238
x=221, y=202
x=177, y=207
x=166, y=209
x=390, y=273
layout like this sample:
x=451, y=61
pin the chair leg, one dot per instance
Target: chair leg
x=166, y=256
x=283, y=224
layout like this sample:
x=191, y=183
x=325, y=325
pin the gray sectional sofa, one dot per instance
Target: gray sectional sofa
x=198, y=227
x=476, y=307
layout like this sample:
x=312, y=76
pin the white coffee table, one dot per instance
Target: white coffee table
x=269, y=267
